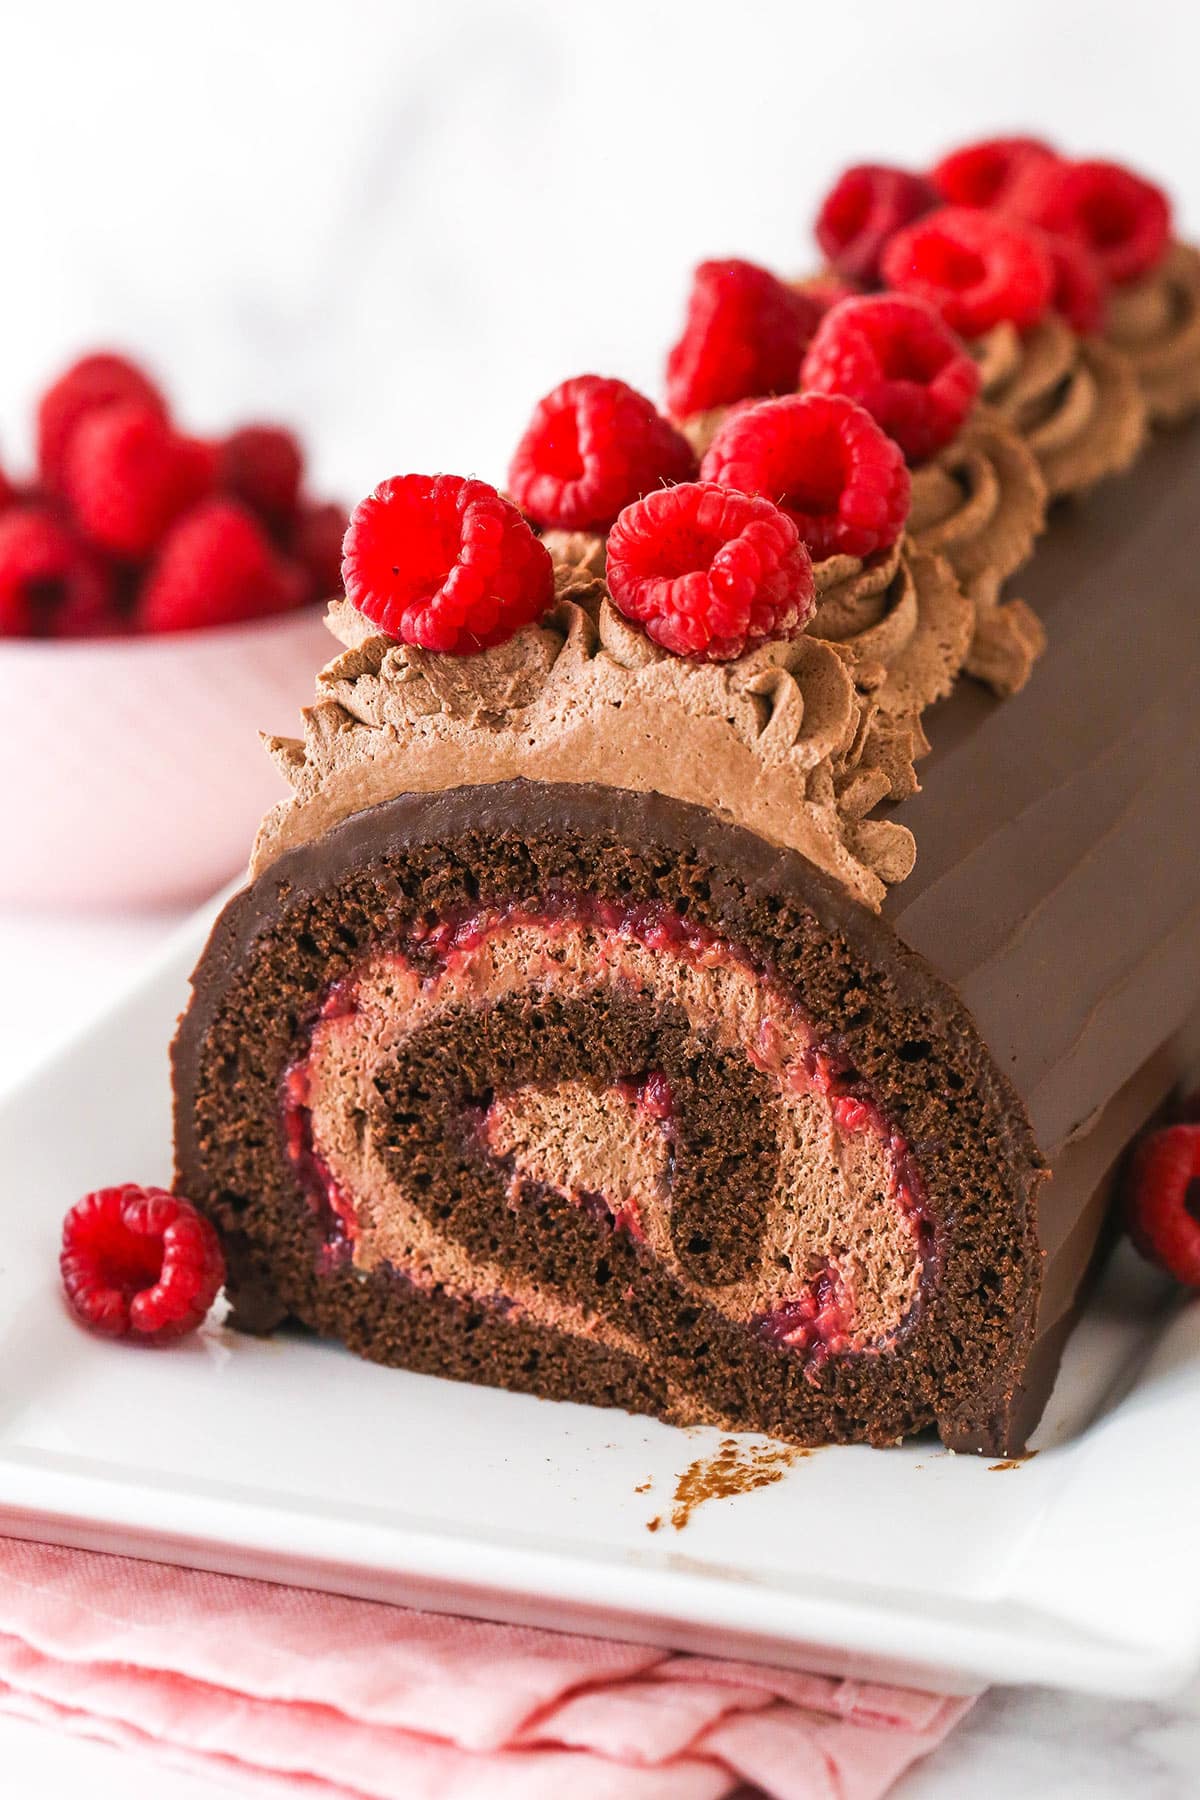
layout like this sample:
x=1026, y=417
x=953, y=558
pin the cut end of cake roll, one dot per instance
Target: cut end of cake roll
x=592, y=1094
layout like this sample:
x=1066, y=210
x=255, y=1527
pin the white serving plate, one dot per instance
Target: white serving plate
x=291, y=1460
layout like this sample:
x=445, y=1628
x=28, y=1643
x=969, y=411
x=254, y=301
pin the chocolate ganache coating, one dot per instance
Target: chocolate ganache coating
x=1057, y=880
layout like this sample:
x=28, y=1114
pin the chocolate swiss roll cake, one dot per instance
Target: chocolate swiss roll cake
x=673, y=983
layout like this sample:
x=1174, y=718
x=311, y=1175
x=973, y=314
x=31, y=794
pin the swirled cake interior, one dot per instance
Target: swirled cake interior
x=591, y=1093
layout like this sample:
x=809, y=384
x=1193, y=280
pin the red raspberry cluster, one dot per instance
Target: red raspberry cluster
x=999, y=230
x=131, y=525
x=710, y=569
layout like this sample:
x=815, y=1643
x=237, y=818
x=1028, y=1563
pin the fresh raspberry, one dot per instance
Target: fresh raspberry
x=838, y=477
x=216, y=567
x=91, y=609
x=138, y=1263
x=1079, y=284
x=862, y=210
x=128, y=476
x=316, y=544
x=445, y=563
x=744, y=336
x=45, y=571
x=900, y=361
x=594, y=446
x=708, y=573
x=983, y=174
x=262, y=465
x=93, y=382
x=1123, y=220
x=976, y=268
x=1163, y=1201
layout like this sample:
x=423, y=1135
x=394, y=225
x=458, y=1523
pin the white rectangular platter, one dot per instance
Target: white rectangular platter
x=291, y=1460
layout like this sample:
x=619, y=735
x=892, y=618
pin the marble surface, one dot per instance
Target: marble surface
x=397, y=225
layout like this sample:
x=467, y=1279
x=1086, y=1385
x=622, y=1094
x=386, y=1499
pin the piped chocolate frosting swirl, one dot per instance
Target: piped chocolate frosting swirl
x=981, y=504
x=780, y=740
x=1155, y=322
x=1075, y=401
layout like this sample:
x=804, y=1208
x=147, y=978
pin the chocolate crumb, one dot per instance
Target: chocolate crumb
x=1012, y=1462
x=733, y=1469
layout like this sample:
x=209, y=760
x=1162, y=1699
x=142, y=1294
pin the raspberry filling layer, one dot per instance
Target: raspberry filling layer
x=847, y=1235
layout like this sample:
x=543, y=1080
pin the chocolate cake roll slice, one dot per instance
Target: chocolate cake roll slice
x=578, y=1032
x=592, y=1093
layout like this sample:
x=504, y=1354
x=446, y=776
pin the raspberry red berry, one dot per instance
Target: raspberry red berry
x=708, y=573
x=1163, y=1201
x=1080, y=287
x=45, y=572
x=985, y=173
x=864, y=208
x=316, y=544
x=93, y=382
x=594, y=446
x=976, y=268
x=216, y=567
x=838, y=477
x=138, y=1263
x=897, y=358
x=446, y=563
x=263, y=465
x=92, y=609
x=128, y=476
x=1123, y=220
x=744, y=336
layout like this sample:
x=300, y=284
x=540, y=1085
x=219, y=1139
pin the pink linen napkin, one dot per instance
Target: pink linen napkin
x=293, y=1693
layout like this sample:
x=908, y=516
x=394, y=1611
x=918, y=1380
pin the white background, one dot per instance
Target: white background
x=397, y=226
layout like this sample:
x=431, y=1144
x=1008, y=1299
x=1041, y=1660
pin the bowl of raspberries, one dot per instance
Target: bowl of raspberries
x=156, y=591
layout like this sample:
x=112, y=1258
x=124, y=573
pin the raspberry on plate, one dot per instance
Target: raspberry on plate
x=138, y=1263
x=897, y=358
x=128, y=475
x=262, y=465
x=216, y=566
x=976, y=268
x=743, y=337
x=984, y=173
x=1123, y=220
x=93, y=382
x=592, y=447
x=46, y=576
x=1163, y=1201
x=446, y=563
x=862, y=210
x=709, y=574
x=840, y=479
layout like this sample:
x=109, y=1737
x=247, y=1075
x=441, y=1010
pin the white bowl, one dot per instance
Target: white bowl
x=132, y=770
